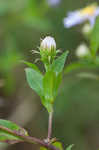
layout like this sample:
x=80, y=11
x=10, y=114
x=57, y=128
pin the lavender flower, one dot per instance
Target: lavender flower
x=77, y=17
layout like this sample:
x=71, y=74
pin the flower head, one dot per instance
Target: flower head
x=48, y=43
x=48, y=49
x=77, y=17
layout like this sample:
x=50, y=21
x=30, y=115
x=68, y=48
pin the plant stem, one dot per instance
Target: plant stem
x=28, y=139
x=50, y=125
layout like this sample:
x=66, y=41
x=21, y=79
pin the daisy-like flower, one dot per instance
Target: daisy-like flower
x=77, y=17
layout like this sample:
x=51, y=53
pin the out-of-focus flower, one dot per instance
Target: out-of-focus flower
x=82, y=51
x=77, y=17
x=86, y=29
x=53, y=2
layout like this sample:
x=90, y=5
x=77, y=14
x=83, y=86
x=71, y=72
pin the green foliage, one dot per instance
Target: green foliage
x=58, y=64
x=46, y=86
x=69, y=147
x=95, y=38
x=51, y=84
x=43, y=148
x=31, y=65
x=56, y=144
x=8, y=132
x=79, y=65
x=35, y=80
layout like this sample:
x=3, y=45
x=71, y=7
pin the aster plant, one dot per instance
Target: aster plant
x=46, y=85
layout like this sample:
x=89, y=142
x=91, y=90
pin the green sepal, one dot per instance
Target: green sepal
x=35, y=80
x=47, y=56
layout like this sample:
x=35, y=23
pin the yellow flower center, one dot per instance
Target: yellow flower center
x=90, y=10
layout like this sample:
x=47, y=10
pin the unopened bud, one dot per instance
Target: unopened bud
x=48, y=43
x=82, y=51
x=48, y=49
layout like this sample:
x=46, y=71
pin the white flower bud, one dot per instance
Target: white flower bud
x=82, y=51
x=48, y=43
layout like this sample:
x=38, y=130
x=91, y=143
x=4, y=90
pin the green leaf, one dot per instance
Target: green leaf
x=58, y=64
x=69, y=147
x=43, y=148
x=51, y=84
x=35, y=80
x=58, y=145
x=88, y=75
x=48, y=85
x=29, y=64
x=80, y=65
x=74, y=66
x=95, y=38
x=57, y=83
x=9, y=131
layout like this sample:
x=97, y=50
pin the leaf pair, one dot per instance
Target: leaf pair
x=46, y=86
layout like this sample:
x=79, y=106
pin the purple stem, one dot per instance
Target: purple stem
x=50, y=125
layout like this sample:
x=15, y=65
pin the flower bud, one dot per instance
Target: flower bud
x=48, y=43
x=48, y=49
x=82, y=51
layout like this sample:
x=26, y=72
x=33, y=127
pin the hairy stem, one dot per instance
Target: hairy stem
x=50, y=125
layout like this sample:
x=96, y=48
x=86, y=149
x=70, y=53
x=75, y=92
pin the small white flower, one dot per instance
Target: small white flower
x=53, y=2
x=82, y=51
x=48, y=43
x=77, y=17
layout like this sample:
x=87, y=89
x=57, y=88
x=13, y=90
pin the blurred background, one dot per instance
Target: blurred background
x=76, y=117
